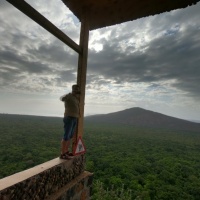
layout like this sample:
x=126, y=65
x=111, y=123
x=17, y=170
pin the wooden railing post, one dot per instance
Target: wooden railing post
x=82, y=70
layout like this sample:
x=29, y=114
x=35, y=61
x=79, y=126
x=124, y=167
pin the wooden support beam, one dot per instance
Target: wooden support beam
x=82, y=71
x=45, y=23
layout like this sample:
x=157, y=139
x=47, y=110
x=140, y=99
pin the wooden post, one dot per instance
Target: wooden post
x=81, y=73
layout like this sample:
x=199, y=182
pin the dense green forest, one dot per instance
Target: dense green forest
x=128, y=162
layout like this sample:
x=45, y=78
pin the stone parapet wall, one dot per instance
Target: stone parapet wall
x=78, y=189
x=56, y=179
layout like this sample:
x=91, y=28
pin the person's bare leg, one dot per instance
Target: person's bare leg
x=67, y=146
x=64, y=145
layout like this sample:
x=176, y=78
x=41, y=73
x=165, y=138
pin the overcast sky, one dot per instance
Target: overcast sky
x=152, y=63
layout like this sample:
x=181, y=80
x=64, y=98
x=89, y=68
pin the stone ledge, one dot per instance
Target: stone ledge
x=21, y=176
x=81, y=186
x=42, y=181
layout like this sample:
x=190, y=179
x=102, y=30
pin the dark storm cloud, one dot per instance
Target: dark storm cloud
x=65, y=76
x=13, y=66
x=174, y=55
x=28, y=48
x=8, y=76
x=28, y=52
x=55, y=53
x=11, y=58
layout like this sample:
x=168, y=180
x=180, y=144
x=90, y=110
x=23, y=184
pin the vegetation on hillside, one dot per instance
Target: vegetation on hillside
x=128, y=162
x=139, y=117
x=26, y=141
x=154, y=164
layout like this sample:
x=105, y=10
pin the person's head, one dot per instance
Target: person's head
x=75, y=89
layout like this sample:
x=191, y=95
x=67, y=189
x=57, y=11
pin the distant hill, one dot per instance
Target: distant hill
x=144, y=118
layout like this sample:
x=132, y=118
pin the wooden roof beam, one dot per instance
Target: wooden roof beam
x=45, y=23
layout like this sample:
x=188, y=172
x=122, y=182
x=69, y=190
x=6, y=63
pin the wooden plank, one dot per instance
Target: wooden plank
x=45, y=23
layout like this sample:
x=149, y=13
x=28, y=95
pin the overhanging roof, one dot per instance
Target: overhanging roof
x=104, y=13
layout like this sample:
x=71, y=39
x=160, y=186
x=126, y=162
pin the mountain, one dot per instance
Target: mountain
x=144, y=118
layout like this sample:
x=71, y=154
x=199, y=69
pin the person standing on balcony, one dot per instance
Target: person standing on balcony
x=71, y=115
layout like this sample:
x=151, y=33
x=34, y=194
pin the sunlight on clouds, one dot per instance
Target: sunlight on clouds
x=99, y=34
x=95, y=38
x=133, y=39
x=96, y=46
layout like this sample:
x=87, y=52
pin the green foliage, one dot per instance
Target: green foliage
x=107, y=194
x=154, y=164
x=26, y=141
x=141, y=164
